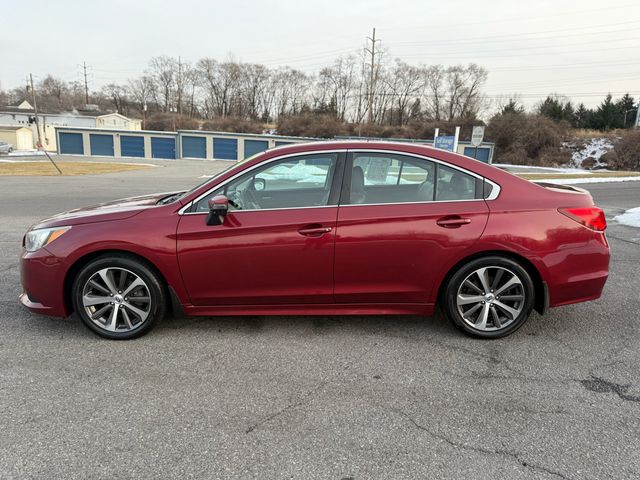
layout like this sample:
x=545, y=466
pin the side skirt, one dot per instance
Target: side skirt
x=312, y=309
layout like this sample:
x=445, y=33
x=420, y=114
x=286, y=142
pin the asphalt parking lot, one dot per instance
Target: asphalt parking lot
x=315, y=397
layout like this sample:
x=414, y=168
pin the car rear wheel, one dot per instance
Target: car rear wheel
x=118, y=297
x=489, y=297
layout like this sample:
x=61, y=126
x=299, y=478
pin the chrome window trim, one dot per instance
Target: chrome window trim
x=495, y=192
x=411, y=203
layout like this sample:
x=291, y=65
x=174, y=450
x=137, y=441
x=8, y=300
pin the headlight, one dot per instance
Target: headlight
x=36, y=239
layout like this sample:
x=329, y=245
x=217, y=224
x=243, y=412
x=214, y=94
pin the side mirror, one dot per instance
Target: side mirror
x=259, y=184
x=218, y=208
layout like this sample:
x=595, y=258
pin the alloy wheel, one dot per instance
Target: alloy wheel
x=490, y=298
x=116, y=300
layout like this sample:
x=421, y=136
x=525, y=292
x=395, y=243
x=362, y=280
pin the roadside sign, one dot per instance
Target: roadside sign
x=445, y=142
x=476, y=136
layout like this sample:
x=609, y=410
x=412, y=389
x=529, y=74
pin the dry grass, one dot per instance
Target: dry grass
x=544, y=176
x=68, y=168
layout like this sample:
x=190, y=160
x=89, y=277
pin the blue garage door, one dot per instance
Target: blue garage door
x=194, y=147
x=225, y=149
x=101, y=144
x=280, y=144
x=71, y=143
x=162, y=147
x=482, y=154
x=131, y=146
x=251, y=147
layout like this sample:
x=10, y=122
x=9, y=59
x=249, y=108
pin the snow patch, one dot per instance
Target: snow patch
x=631, y=217
x=28, y=153
x=594, y=148
x=507, y=166
x=574, y=181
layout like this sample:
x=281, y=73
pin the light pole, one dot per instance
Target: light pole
x=624, y=125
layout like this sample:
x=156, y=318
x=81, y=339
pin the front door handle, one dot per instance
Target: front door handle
x=314, y=230
x=452, y=221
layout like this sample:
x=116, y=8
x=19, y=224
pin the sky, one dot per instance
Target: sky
x=582, y=49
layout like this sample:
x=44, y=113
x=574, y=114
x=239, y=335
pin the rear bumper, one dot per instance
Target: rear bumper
x=42, y=277
x=579, y=274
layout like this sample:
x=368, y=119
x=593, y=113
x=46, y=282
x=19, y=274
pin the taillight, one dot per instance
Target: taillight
x=592, y=217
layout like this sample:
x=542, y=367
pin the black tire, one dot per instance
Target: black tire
x=121, y=262
x=454, y=283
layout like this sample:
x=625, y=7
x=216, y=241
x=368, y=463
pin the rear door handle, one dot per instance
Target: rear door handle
x=453, y=221
x=314, y=230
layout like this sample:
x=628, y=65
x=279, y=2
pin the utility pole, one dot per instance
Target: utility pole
x=372, y=73
x=179, y=86
x=86, y=84
x=637, y=116
x=35, y=111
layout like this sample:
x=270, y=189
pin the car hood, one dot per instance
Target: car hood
x=114, y=210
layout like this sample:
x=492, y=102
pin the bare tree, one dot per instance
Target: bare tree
x=163, y=71
x=463, y=90
x=405, y=82
x=291, y=91
x=119, y=95
x=337, y=85
x=52, y=92
x=434, y=90
x=391, y=93
x=220, y=83
x=255, y=81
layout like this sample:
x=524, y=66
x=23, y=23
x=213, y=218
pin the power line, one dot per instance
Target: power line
x=519, y=18
x=496, y=38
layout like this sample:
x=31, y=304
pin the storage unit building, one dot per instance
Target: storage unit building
x=198, y=144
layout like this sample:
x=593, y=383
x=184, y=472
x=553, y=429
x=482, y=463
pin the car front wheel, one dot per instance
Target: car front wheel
x=489, y=297
x=118, y=297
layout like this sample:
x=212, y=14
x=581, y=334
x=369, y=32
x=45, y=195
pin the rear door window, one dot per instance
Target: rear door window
x=390, y=178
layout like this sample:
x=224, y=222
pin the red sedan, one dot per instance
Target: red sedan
x=325, y=229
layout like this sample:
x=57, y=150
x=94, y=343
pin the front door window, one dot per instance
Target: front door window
x=294, y=182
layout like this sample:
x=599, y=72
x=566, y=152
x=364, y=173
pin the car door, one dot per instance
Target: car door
x=276, y=244
x=401, y=219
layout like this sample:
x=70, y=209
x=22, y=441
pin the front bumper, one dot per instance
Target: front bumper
x=42, y=276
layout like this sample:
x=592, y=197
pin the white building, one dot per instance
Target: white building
x=115, y=121
x=23, y=116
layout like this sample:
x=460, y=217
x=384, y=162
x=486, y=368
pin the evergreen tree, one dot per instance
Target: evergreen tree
x=551, y=107
x=556, y=109
x=628, y=110
x=568, y=113
x=512, y=107
x=582, y=117
x=608, y=115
